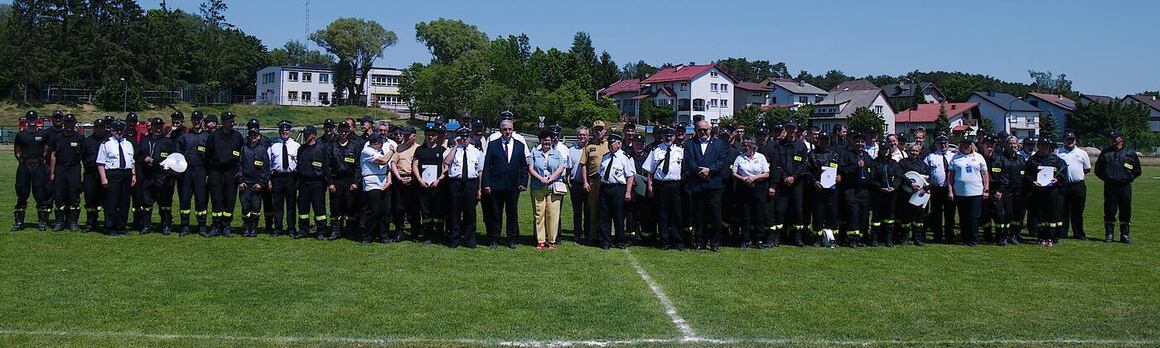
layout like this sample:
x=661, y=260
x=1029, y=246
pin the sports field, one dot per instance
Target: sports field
x=74, y=289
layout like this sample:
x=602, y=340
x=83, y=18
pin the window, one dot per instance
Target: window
x=724, y=103
x=323, y=78
x=713, y=87
x=818, y=99
x=724, y=88
x=384, y=81
x=713, y=103
x=698, y=105
x=293, y=76
x=306, y=96
x=878, y=110
x=772, y=100
x=292, y=95
x=757, y=94
x=803, y=99
x=323, y=97
x=684, y=86
x=307, y=77
x=713, y=74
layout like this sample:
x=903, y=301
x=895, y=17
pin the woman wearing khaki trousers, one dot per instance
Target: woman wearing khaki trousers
x=547, y=168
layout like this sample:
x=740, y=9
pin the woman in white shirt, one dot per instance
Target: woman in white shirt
x=750, y=171
x=376, y=180
x=969, y=186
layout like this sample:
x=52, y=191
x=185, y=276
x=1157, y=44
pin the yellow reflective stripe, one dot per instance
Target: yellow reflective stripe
x=320, y=218
x=303, y=216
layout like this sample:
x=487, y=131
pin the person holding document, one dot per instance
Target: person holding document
x=911, y=216
x=1046, y=172
x=432, y=173
x=823, y=179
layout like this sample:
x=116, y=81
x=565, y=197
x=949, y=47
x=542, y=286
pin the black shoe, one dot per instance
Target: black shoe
x=745, y=246
x=183, y=231
x=492, y=245
x=713, y=248
x=621, y=246
x=58, y=226
x=512, y=244
x=666, y=247
x=453, y=245
x=1125, y=239
x=1108, y=238
x=680, y=247
x=165, y=231
x=226, y=232
x=604, y=246
x=202, y=231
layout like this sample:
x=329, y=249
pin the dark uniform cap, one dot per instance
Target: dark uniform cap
x=253, y=125
x=968, y=139
x=100, y=122
x=665, y=131
x=762, y=130
x=477, y=125
x=57, y=114
x=228, y=116
x=328, y=123
x=341, y=126
x=1115, y=134
x=309, y=129
x=408, y=130
x=941, y=139
x=177, y=115
x=791, y=124
x=131, y=117
x=210, y=118
x=777, y=127
x=284, y=125
x=31, y=115
x=857, y=136
x=109, y=120
x=156, y=122
x=556, y=129
x=119, y=125
x=463, y=131
x=506, y=115
x=70, y=118
x=544, y=133
x=1028, y=141
x=728, y=129
x=1068, y=135
x=615, y=137
x=823, y=135
x=365, y=118
x=1046, y=141
x=196, y=115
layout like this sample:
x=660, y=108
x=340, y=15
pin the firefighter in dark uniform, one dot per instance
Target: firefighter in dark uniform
x=94, y=194
x=313, y=178
x=31, y=145
x=283, y=154
x=329, y=136
x=343, y=155
x=1048, y=207
x=1007, y=170
x=791, y=163
x=156, y=183
x=65, y=171
x=223, y=149
x=191, y=184
x=730, y=195
x=53, y=133
x=253, y=177
x=432, y=193
x=987, y=215
x=888, y=179
x=118, y=175
x=911, y=218
x=856, y=185
x=825, y=199
x=1118, y=166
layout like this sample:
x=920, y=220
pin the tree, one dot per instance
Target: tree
x=986, y=126
x=1091, y=123
x=357, y=43
x=585, y=56
x=448, y=39
x=919, y=96
x=742, y=69
x=748, y=115
x=296, y=52
x=867, y=122
x=800, y=116
x=1047, y=127
x=650, y=112
x=606, y=71
x=638, y=70
x=942, y=125
x=1045, y=82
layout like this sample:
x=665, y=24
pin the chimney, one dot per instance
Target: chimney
x=1153, y=98
x=678, y=67
x=953, y=106
x=802, y=83
x=990, y=93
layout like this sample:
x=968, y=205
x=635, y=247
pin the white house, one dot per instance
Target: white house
x=1153, y=105
x=751, y=93
x=626, y=94
x=699, y=91
x=313, y=85
x=1007, y=113
x=838, y=106
x=1057, y=106
x=794, y=93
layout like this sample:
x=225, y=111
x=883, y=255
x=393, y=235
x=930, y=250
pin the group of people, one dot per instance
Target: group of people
x=719, y=186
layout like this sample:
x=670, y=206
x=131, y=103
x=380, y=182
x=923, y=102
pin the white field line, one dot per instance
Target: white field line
x=686, y=330
x=570, y=343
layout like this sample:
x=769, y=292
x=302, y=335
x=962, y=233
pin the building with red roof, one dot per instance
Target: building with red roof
x=695, y=91
x=926, y=115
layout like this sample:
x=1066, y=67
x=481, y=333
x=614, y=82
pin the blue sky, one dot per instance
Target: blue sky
x=1104, y=47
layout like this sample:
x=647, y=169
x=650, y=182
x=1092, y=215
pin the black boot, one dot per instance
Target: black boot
x=887, y=234
x=90, y=220
x=18, y=220
x=871, y=238
x=1001, y=236
x=61, y=220
x=1125, y=233
x=226, y=230
x=166, y=220
x=797, y=238
x=1109, y=232
x=74, y=216
x=42, y=220
x=773, y=238
x=852, y=239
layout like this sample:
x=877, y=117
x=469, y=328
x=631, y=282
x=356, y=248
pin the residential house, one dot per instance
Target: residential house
x=1153, y=108
x=751, y=93
x=959, y=116
x=313, y=85
x=699, y=91
x=1007, y=113
x=794, y=93
x=901, y=95
x=854, y=85
x=626, y=94
x=839, y=105
x=1057, y=106
x=1086, y=99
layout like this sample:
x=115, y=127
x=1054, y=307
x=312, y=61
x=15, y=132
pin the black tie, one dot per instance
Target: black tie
x=463, y=167
x=608, y=168
x=121, y=158
x=285, y=157
x=665, y=166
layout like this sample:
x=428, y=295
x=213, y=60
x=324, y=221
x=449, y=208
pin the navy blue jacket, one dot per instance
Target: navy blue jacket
x=714, y=158
x=501, y=174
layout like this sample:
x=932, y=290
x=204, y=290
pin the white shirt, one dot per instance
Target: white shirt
x=654, y=163
x=516, y=137
x=968, y=171
x=872, y=149
x=275, y=152
x=1077, y=161
x=746, y=166
x=938, y=171
x=374, y=175
x=623, y=168
x=474, y=162
x=110, y=157
x=574, y=161
x=565, y=154
x=897, y=155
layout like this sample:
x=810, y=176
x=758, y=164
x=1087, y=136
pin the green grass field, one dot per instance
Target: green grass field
x=74, y=289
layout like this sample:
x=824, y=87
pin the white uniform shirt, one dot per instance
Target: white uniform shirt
x=275, y=152
x=474, y=162
x=746, y=166
x=574, y=162
x=938, y=169
x=1077, y=162
x=565, y=155
x=110, y=157
x=374, y=175
x=516, y=137
x=654, y=163
x=623, y=168
x=968, y=171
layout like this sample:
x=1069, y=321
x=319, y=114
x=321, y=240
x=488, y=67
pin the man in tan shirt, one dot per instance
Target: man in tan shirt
x=590, y=172
x=405, y=191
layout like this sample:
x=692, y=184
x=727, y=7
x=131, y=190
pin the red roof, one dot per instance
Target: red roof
x=681, y=73
x=753, y=86
x=926, y=113
x=1056, y=99
x=622, y=86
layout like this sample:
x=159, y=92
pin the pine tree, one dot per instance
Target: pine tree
x=942, y=124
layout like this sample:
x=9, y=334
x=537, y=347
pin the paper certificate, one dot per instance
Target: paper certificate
x=1046, y=173
x=430, y=173
x=919, y=199
x=829, y=177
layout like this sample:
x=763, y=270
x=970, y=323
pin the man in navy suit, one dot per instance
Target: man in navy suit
x=705, y=169
x=505, y=175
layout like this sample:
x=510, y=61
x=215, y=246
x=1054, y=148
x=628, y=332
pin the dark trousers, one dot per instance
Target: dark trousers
x=407, y=201
x=1117, y=199
x=883, y=204
x=1074, y=197
x=193, y=189
x=117, y=199
x=32, y=179
x=1048, y=209
x=378, y=220
x=1002, y=212
x=223, y=191
x=94, y=196
x=750, y=211
x=284, y=198
x=462, y=218
x=611, y=213
x=910, y=219
x=251, y=205
x=667, y=195
x=433, y=208
x=157, y=189
x=970, y=210
x=706, y=205
x=311, y=196
x=342, y=210
x=137, y=197
x=857, y=210
x=504, y=203
x=825, y=210
x=68, y=188
x=941, y=220
x=790, y=203
x=579, y=200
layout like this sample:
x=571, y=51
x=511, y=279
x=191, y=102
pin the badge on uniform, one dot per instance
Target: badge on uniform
x=316, y=164
x=996, y=170
x=200, y=148
x=797, y=158
x=258, y=163
x=164, y=154
x=833, y=165
x=236, y=153
x=1129, y=166
x=348, y=159
x=38, y=138
x=72, y=144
